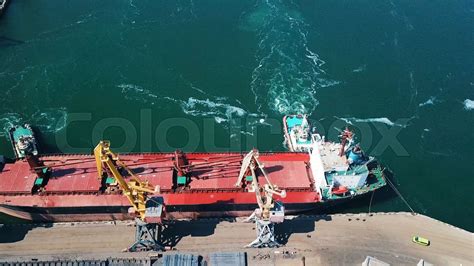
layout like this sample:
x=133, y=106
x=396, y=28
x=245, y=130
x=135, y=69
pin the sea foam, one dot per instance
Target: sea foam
x=383, y=120
x=361, y=68
x=45, y=120
x=220, y=111
x=430, y=101
x=137, y=93
x=288, y=73
x=468, y=104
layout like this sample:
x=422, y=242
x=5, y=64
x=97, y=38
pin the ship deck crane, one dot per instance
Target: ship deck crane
x=269, y=211
x=150, y=210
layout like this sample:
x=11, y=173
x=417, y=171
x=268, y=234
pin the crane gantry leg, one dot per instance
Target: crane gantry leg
x=265, y=233
x=147, y=237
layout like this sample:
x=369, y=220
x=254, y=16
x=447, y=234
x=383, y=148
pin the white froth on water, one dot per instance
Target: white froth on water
x=219, y=119
x=50, y=120
x=468, y=104
x=230, y=116
x=228, y=113
x=397, y=13
x=383, y=120
x=430, y=101
x=288, y=72
x=47, y=121
x=324, y=83
x=137, y=93
x=8, y=120
x=359, y=69
x=209, y=108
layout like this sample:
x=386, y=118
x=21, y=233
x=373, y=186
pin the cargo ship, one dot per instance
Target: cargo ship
x=67, y=187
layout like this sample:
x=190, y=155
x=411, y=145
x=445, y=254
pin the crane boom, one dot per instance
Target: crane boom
x=269, y=211
x=135, y=189
x=264, y=194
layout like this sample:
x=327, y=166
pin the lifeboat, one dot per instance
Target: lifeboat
x=340, y=190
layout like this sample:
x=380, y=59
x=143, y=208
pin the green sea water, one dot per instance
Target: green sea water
x=219, y=75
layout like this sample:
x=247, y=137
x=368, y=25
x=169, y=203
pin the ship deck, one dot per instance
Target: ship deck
x=75, y=174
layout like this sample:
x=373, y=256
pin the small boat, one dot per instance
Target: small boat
x=23, y=141
x=297, y=133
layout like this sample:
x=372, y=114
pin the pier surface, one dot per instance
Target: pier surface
x=310, y=240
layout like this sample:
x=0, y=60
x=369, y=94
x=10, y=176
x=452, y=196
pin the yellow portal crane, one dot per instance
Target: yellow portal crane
x=135, y=189
x=150, y=210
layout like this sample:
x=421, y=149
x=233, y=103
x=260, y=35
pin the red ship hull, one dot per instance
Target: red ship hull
x=114, y=207
x=73, y=191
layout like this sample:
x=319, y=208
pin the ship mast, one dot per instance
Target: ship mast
x=346, y=140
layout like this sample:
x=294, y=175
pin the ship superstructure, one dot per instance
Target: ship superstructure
x=341, y=169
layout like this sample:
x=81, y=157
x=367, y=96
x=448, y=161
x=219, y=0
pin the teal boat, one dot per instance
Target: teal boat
x=23, y=141
x=297, y=133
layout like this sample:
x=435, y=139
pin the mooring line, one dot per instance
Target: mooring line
x=371, y=198
x=400, y=195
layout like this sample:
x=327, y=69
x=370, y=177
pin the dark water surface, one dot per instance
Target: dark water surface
x=218, y=75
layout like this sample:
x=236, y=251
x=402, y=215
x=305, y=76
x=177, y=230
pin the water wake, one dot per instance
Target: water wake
x=137, y=93
x=224, y=111
x=383, y=120
x=231, y=116
x=8, y=120
x=397, y=13
x=48, y=121
x=288, y=72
